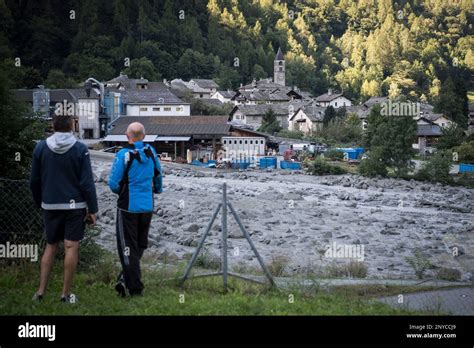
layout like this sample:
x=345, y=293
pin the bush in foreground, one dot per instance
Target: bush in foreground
x=321, y=167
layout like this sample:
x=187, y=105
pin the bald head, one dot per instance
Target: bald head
x=135, y=132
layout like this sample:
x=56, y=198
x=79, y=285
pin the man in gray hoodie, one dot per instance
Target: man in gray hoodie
x=62, y=184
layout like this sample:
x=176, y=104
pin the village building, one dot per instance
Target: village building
x=223, y=96
x=307, y=119
x=336, y=100
x=156, y=102
x=85, y=109
x=252, y=115
x=198, y=88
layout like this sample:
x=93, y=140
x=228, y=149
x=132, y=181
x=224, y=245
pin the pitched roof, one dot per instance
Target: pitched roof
x=175, y=125
x=227, y=94
x=156, y=96
x=327, y=97
x=429, y=130
x=81, y=93
x=205, y=83
x=280, y=109
x=312, y=111
x=264, y=84
x=55, y=95
x=361, y=111
x=375, y=100
x=279, y=55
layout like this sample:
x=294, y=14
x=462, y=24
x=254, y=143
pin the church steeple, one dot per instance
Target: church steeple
x=279, y=68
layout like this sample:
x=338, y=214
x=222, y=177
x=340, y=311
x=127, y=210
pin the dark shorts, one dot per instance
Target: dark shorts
x=64, y=224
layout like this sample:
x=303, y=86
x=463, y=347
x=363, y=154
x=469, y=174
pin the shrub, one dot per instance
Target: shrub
x=277, y=265
x=450, y=274
x=373, y=165
x=334, y=155
x=321, y=167
x=437, y=168
x=207, y=261
x=285, y=133
x=465, y=152
x=353, y=269
x=419, y=263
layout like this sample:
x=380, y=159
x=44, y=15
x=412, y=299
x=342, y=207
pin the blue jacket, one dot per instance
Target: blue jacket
x=144, y=177
x=61, y=174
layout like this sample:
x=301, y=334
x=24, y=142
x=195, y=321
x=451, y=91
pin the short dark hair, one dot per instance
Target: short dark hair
x=62, y=123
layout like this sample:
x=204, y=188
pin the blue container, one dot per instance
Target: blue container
x=351, y=153
x=268, y=162
x=290, y=165
x=360, y=151
x=197, y=163
x=240, y=165
x=466, y=168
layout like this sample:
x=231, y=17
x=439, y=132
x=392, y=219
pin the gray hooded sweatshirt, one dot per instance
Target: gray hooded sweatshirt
x=61, y=142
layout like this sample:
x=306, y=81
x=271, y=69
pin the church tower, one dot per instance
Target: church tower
x=279, y=68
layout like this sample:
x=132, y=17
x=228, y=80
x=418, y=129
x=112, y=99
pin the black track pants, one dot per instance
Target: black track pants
x=132, y=240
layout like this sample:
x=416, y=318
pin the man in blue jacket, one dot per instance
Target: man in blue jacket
x=135, y=176
x=62, y=184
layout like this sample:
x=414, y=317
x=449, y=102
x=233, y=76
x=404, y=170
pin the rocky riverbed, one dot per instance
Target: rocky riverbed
x=295, y=217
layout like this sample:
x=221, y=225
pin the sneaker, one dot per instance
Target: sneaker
x=71, y=298
x=37, y=297
x=121, y=289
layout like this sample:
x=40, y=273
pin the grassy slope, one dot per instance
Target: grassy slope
x=202, y=297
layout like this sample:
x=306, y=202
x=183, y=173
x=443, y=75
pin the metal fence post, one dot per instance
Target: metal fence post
x=224, y=234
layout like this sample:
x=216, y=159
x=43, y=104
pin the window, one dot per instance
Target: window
x=200, y=95
x=245, y=142
x=251, y=142
x=261, y=142
x=167, y=108
x=240, y=142
x=281, y=69
x=179, y=109
x=235, y=142
x=335, y=104
x=280, y=63
x=225, y=142
x=142, y=108
x=156, y=109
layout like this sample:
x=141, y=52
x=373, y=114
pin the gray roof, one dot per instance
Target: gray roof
x=81, y=93
x=205, y=83
x=375, y=100
x=262, y=95
x=312, y=111
x=361, y=111
x=55, y=95
x=227, y=94
x=429, y=130
x=265, y=84
x=280, y=109
x=176, y=125
x=144, y=96
x=279, y=55
x=327, y=97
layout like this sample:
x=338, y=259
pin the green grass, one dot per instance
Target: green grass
x=203, y=296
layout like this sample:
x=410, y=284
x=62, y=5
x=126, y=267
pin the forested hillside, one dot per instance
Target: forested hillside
x=365, y=47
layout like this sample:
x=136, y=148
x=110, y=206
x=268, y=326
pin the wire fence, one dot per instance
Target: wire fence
x=20, y=219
